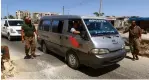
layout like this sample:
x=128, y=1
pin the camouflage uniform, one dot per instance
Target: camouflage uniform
x=29, y=38
x=30, y=44
x=134, y=34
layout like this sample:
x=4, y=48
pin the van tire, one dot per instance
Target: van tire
x=72, y=60
x=44, y=47
x=9, y=37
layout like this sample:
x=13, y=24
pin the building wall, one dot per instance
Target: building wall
x=22, y=14
x=37, y=15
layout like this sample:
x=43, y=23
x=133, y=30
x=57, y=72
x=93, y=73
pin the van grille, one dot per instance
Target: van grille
x=116, y=50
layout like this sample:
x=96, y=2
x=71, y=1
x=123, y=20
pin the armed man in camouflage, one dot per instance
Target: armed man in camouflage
x=28, y=36
x=134, y=39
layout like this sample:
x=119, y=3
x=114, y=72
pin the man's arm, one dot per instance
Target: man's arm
x=35, y=30
x=74, y=31
x=22, y=34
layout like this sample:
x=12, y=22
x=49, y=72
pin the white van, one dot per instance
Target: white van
x=11, y=28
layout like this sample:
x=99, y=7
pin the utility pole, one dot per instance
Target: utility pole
x=7, y=11
x=100, y=7
x=63, y=10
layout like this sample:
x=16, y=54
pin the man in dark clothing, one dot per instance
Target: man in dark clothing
x=74, y=29
x=28, y=36
x=134, y=39
x=77, y=27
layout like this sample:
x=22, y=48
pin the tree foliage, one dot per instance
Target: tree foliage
x=5, y=17
x=98, y=14
x=11, y=17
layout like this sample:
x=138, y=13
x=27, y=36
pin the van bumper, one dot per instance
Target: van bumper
x=15, y=35
x=99, y=61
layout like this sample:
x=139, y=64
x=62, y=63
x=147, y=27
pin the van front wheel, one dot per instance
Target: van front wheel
x=73, y=60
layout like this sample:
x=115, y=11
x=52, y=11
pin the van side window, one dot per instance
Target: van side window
x=57, y=26
x=77, y=22
x=46, y=24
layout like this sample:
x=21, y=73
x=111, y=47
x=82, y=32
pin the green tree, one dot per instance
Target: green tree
x=98, y=14
x=11, y=17
x=107, y=16
x=5, y=17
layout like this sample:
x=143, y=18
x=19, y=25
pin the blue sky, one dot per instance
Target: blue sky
x=79, y=7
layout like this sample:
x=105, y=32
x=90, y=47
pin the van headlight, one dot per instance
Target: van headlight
x=12, y=31
x=99, y=51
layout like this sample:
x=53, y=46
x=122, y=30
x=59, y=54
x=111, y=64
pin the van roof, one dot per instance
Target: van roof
x=13, y=19
x=71, y=16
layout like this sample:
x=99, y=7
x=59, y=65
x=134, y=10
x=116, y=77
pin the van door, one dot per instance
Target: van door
x=66, y=42
x=5, y=27
x=45, y=31
x=57, y=26
x=64, y=38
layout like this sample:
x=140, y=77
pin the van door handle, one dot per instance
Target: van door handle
x=66, y=37
x=60, y=37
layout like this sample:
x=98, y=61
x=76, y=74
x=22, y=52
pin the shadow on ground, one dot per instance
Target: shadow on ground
x=13, y=39
x=129, y=57
x=98, y=72
x=54, y=54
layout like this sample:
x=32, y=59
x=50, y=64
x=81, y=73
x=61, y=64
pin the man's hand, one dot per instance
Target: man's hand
x=76, y=32
x=22, y=40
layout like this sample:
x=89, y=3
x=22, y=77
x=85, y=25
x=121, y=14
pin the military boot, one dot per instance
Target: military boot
x=133, y=57
x=137, y=58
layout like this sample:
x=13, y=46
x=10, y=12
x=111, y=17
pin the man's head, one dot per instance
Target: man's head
x=27, y=20
x=75, y=24
x=133, y=23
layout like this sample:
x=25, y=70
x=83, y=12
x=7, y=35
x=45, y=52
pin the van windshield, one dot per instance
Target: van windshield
x=15, y=23
x=99, y=27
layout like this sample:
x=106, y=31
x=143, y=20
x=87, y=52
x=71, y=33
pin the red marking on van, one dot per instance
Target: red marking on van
x=74, y=42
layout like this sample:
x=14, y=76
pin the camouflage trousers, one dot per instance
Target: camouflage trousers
x=135, y=46
x=30, y=45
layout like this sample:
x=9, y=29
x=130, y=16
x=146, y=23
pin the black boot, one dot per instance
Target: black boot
x=27, y=56
x=137, y=58
x=133, y=57
x=27, y=51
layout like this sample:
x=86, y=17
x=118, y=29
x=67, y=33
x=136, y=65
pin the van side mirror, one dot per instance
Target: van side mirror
x=6, y=25
x=84, y=35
